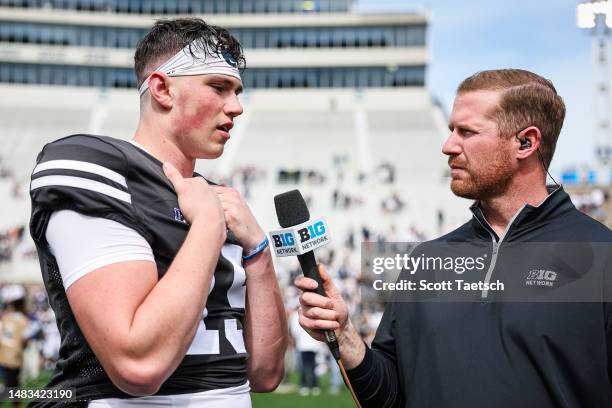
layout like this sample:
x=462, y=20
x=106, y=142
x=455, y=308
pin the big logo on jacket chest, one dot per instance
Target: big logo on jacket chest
x=541, y=277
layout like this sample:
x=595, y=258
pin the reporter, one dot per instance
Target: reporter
x=504, y=127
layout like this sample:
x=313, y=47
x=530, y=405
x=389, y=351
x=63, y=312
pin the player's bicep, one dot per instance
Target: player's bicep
x=107, y=269
x=105, y=301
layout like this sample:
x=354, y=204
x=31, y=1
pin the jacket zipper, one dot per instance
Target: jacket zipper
x=496, y=244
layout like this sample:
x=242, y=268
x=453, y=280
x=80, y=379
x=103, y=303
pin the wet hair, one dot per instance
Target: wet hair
x=527, y=99
x=169, y=36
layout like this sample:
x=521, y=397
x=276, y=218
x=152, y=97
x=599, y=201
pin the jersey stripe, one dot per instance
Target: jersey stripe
x=81, y=166
x=83, y=183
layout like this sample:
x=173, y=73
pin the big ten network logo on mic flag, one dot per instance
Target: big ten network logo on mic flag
x=301, y=238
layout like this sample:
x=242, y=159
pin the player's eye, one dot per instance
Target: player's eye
x=218, y=88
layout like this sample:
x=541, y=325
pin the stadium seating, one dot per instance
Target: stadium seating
x=342, y=135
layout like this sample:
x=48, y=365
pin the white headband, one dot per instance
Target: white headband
x=205, y=62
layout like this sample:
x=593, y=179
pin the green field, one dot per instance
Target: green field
x=286, y=397
x=276, y=400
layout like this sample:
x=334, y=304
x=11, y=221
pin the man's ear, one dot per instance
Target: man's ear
x=159, y=86
x=527, y=142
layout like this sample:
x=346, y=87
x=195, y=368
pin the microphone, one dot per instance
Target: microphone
x=300, y=237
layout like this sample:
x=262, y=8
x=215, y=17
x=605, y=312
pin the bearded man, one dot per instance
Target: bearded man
x=504, y=127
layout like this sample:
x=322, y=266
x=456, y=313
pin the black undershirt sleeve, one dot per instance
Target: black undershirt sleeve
x=375, y=380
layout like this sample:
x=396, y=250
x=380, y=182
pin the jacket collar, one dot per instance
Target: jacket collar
x=556, y=204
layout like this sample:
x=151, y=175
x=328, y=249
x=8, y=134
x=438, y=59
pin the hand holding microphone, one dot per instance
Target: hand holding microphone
x=321, y=312
x=329, y=312
x=300, y=237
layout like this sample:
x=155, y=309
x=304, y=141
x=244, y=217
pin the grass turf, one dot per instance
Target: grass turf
x=287, y=396
x=277, y=399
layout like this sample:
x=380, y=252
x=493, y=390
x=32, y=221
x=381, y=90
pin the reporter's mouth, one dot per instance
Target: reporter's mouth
x=456, y=171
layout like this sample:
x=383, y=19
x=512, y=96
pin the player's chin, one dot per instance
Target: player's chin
x=212, y=145
x=212, y=151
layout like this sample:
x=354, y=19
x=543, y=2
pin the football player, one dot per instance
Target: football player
x=162, y=283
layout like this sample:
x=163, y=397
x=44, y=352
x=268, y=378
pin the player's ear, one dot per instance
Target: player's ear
x=159, y=86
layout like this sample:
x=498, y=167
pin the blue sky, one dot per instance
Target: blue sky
x=538, y=35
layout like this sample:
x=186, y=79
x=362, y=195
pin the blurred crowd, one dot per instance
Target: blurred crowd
x=242, y=178
x=595, y=203
x=14, y=241
x=26, y=315
x=7, y=174
x=29, y=337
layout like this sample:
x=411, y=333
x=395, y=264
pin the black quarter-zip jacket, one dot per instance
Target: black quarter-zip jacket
x=496, y=354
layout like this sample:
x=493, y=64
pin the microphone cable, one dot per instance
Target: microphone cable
x=347, y=382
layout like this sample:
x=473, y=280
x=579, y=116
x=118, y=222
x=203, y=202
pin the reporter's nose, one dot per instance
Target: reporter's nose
x=452, y=145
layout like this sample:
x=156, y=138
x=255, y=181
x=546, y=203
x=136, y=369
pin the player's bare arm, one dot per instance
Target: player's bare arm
x=265, y=330
x=138, y=327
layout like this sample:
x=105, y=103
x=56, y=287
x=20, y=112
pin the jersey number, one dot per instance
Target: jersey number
x=206, y=341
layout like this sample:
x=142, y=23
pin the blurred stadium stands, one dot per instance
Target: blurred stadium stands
x=363, y=158
x=342, y=137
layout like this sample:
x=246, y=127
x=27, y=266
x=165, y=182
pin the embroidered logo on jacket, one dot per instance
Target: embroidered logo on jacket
x=541, y=277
